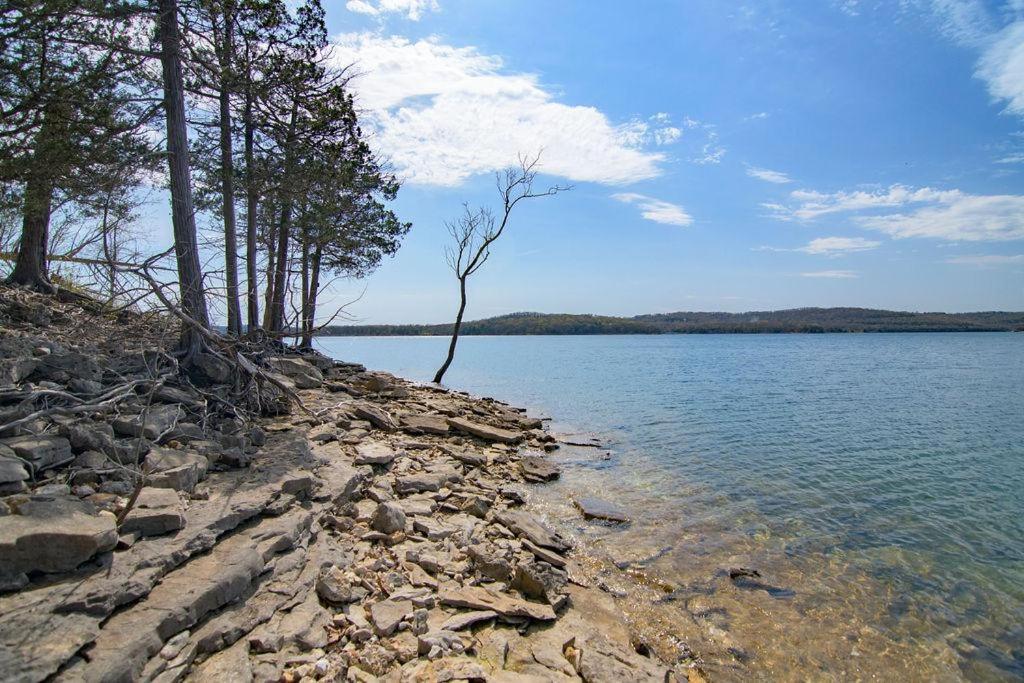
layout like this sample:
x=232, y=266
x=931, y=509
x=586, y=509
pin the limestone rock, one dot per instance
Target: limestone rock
x=53, y=535
x=375, y=453
x=41, y=452
x=304, y=375
x=524, y=524
x=540, y=580
x=388, y=518
x=378, y=417
x=467, y=619
x=420, y=482
x=151, y=424
x=483, y=431
x=12, y=475
x=595, y=508
x=425, y=424
x=156, y=511
x=538, y=469
x=387, y=614
x=505, y=605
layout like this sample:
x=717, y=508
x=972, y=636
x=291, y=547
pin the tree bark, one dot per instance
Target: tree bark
x=314, y=290
x=455, y=332
x=283, y=232
x=227, y=176
x=186, y=248
x=251, y=203
x=30, y=269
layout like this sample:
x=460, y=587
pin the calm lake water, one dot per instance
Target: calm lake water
x=876, y=481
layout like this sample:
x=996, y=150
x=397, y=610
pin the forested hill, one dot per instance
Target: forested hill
x=792, y=320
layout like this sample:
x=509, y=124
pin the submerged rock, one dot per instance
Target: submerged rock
x=539, y=469
x=595, y=508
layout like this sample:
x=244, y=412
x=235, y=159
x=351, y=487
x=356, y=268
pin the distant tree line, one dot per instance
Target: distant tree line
x=235, y=109
x=800, y=320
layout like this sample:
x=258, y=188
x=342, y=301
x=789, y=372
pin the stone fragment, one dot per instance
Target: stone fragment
x=449, y=669
x=378, y=417
x=375, y=453
x=151, y=424
x=301, y=373
x=387, y=614
x=417, y=506
x=489, y=563
x=540, y=580
x=334, y=586
x=466, y=619
x=388, y=518
x=538, y=469
x=433, y=529
x=437, y=644
x=53, y=535
x=483, y=599
x=597, y=659
x=524, y=524
x=595, y=508
x=420, y=482
x=156, y=511
x=483, y=431
x=41, y=452
x=322, y=434
x=425, y=424
x=544, y=554
x=12, y=475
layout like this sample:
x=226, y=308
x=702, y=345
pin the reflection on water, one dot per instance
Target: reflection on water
x=875, y=481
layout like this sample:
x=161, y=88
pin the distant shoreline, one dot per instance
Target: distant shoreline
x=793, y=321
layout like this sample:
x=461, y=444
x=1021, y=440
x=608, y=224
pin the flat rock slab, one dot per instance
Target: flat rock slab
x=375, y=453
x=526, y=525
x=595, y=508
x=378, y=417
x=484, y=431
x=301, y=373
x=53, y=535
x=538, y=469
x=418, y=483
x=41, y=452
x=152, y=424
x=425, y=424
x=386, y=615
x=487, y=600
x=157, y=511
x=467, y=619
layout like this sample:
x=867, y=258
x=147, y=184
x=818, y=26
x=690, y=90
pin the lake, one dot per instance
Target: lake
x=875, y=480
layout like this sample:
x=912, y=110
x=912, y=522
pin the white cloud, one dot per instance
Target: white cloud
x=712, y=152
x=412, y=9
x=833, y=246
x=832, y=274
x=656, y=210
x=949, y=215
x=768, y=176
x=1002, y=67
x=987, y=259
x=443, y=113
x=830, y=246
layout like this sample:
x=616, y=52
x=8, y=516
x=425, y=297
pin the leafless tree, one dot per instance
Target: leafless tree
x=475, y=231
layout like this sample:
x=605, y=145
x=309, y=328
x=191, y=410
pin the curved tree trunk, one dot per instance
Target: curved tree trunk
x=455, y=333
x=186, y=248
x=30, y=267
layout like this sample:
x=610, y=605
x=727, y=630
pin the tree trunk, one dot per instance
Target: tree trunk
x=314, y=290
x=251, y=200
x=227, y=177
x=283, y=230
x=186, y=248
x=455, y=332
x=30, y=268
x=268, y=295
x=305, y=284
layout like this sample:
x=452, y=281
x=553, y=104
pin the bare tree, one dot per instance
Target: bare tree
x=475, y=231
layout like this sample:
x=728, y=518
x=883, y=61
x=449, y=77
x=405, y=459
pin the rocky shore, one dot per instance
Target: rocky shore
x=382, y=531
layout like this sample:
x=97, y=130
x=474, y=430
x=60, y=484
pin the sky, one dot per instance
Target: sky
x=724, y=155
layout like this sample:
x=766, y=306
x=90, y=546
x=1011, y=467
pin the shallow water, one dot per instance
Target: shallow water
x=876, y=481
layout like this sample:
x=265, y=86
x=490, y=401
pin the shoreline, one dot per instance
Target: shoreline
x=385, y=533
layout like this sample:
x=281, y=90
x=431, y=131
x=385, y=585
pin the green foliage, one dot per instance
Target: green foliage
x=806, y=320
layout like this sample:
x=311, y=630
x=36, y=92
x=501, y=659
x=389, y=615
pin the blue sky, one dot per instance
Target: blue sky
x=724, y=155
